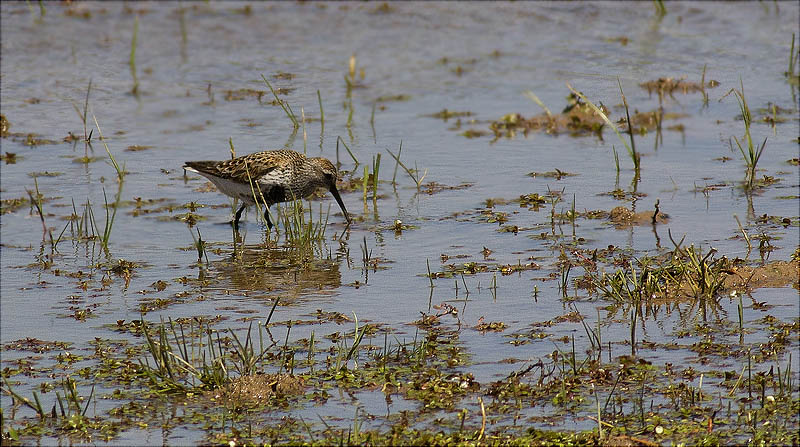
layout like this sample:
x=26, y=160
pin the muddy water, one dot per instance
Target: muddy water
x=192, y=59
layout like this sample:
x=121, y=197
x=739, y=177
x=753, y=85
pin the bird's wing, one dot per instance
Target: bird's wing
x=240, y=169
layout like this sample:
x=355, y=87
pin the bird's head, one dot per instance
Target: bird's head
x=329, y=172
x=330, y=175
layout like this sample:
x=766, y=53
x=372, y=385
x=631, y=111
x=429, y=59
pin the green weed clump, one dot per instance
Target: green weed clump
x=179, y=362
x=301, y=232
x=686, y=273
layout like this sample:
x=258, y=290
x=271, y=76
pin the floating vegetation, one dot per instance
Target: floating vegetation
x=445, y=114
x=493, y=326
x=668, y=86
x=28, y=139
x=45, y=174
x=435, y=187
x=557, y=174
x=284, y=75
x=474, y=133
x=32, y=139
x=35, y=345
x=577, y=119
x=244, y=93
x=472, y=268
x=393, y=98
x=532, y=201
x=622, y=40
x=4, y=126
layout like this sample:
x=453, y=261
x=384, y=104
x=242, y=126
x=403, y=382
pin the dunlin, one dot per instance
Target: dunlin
x=277, y=176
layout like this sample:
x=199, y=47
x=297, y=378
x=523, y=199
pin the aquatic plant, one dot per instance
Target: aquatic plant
x=284, y=105
x=661, y=10
x=794, y=60
x=181, y=361
x=301, y=233
x=338, y=139
x=414, y=174
x=635, y=156
x=376, y=167
x=87, y=137
x=119, y=169
x=110, y=220
x=751, y=153
x=321, y=113
x=132, y=58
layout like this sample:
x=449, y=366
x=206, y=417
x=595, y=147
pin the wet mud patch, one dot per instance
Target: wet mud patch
x=683, y=274
x=772, y=274
x=255, y=391
x=622, y=217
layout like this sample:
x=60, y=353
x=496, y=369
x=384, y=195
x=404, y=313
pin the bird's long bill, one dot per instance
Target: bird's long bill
x=338, y=198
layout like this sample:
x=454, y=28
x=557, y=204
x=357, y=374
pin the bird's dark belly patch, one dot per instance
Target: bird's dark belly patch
x=271, y=194
x=274, y=194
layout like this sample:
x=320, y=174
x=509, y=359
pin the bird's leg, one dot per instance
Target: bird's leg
x=266, y=217
x=238, y=216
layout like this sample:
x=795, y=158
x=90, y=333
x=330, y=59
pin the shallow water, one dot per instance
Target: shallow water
x=415, y=50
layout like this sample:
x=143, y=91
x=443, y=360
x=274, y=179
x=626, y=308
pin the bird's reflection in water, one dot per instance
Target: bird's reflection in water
x=259, y=271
